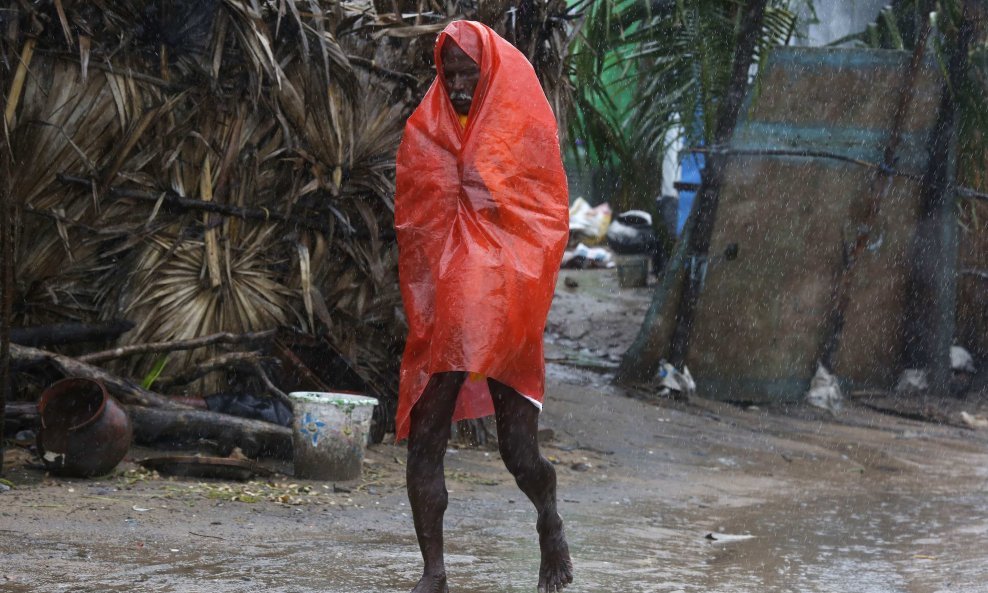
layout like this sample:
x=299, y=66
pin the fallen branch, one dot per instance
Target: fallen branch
x=18, y=416
x=222, y=362
x=125, y=390
x=176, y=345
x=289, y=357
x=254, y=437
x=69, y=333
x=172, y=200
x=272, y=388
x=961, y=190
x=156, y=417
x=407, y=80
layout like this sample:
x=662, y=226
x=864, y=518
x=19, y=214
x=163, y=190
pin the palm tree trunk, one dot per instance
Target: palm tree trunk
x=687, y=267
x=709, y=194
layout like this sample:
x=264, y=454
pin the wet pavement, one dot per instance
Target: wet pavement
x=904, y=512
x=857, y=503
x=896, y=543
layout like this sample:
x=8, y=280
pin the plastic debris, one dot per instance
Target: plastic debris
x=912, y=381
x=588, y=257
x=482, y=218
x=727, y=537
x=589, y=224
x=824, y=391
x=249, y=405
x=972, y=421
x=674, y=383
x=631, y=233
x=25, y=438
x=961, y=360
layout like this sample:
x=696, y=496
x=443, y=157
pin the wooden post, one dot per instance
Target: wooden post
x=708, y=197
x=13, y=98
x=6, y=277
x=683, y=278
x=881, y=185
x=932, y=306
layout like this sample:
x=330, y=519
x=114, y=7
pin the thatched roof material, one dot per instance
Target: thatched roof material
x=292, y=107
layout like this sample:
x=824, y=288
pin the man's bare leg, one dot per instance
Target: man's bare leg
x=429, y=432
x=517, y=438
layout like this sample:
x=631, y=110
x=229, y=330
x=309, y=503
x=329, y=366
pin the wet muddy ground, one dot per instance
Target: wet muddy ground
x=860, y=502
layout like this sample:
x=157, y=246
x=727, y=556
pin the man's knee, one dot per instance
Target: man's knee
x=522, y=460
x=428, y=492
x=425, y=451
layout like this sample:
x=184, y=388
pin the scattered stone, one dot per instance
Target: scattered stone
x=580, y=467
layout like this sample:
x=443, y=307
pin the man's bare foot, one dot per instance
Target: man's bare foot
x=432, y=583
x=556, y=568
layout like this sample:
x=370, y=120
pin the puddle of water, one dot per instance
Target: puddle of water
x=869, y=543
x=855, y=542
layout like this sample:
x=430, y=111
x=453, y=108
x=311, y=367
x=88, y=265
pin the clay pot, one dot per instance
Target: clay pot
x=84, y=431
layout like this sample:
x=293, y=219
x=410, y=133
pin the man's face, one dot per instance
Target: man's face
x=460, y=76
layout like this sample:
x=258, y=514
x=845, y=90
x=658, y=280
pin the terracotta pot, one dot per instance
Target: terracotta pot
x=84, y=431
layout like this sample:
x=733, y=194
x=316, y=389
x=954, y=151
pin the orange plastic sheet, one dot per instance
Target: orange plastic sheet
x=482, y=220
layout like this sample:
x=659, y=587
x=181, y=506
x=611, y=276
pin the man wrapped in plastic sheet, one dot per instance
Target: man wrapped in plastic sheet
x=482, y=218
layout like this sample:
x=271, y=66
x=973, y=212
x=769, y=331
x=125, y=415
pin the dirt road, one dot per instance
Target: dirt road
x=862, y=502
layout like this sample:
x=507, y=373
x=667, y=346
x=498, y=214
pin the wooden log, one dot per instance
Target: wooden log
x=176, y=345
x=69, y=333
x=254, y=437
x=123, y=389
x=223, y=362
x=19, y=416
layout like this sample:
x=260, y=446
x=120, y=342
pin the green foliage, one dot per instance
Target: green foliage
x=897, y=27
x=641, y=66
x=156, y=370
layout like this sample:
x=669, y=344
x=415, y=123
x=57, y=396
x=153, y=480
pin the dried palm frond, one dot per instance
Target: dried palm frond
x=293, y=107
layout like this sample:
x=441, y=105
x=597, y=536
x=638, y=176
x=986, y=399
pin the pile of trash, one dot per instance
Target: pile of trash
x=596, y=236
x=582, y=257
x=913, y=384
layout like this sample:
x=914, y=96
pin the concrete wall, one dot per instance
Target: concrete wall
x=838, y=18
